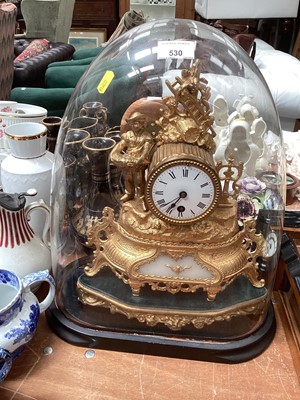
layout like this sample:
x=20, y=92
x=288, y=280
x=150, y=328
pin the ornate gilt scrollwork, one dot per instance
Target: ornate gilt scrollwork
x=128, y=257
x=188, y=119
x=175, y=320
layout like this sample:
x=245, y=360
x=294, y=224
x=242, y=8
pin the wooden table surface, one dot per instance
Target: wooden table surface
x=67, y=373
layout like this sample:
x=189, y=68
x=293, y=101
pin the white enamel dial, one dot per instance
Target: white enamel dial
x=270, y=246
x=183, y=192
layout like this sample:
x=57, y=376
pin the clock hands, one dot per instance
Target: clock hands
x=182, y=195
x=163, y=204
x=171, y=206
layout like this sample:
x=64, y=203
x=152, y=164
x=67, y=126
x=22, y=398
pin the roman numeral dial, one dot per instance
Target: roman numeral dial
x=182, y=191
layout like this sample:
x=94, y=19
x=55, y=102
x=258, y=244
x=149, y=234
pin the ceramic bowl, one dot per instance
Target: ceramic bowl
x=27, y=139
x=24, y=113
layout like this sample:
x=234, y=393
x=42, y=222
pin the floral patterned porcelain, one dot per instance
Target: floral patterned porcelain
x=8, y=106
x=19, y=313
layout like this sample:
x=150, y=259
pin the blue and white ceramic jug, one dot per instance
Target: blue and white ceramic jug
x=19, y=313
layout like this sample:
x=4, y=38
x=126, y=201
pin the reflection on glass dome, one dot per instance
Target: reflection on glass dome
x=167, y=215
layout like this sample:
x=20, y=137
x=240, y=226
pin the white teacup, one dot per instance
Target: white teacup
x=27, y=139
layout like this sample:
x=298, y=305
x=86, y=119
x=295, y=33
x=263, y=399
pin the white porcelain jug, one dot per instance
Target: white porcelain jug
x=21, y=250
x=28, y=166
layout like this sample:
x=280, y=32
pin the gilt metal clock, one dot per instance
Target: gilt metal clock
x=176, y=230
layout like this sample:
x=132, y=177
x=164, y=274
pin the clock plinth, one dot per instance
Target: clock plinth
x=175, y=264
x=219, y=340
x=175, y=312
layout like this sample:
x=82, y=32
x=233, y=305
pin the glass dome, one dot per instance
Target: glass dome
x=168, y=195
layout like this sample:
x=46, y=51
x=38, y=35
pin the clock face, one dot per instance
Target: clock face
x=182, y=192
x=270, y=246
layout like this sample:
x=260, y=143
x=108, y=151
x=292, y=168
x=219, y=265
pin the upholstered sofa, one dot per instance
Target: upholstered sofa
x=30, y=72
x=59, y=81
